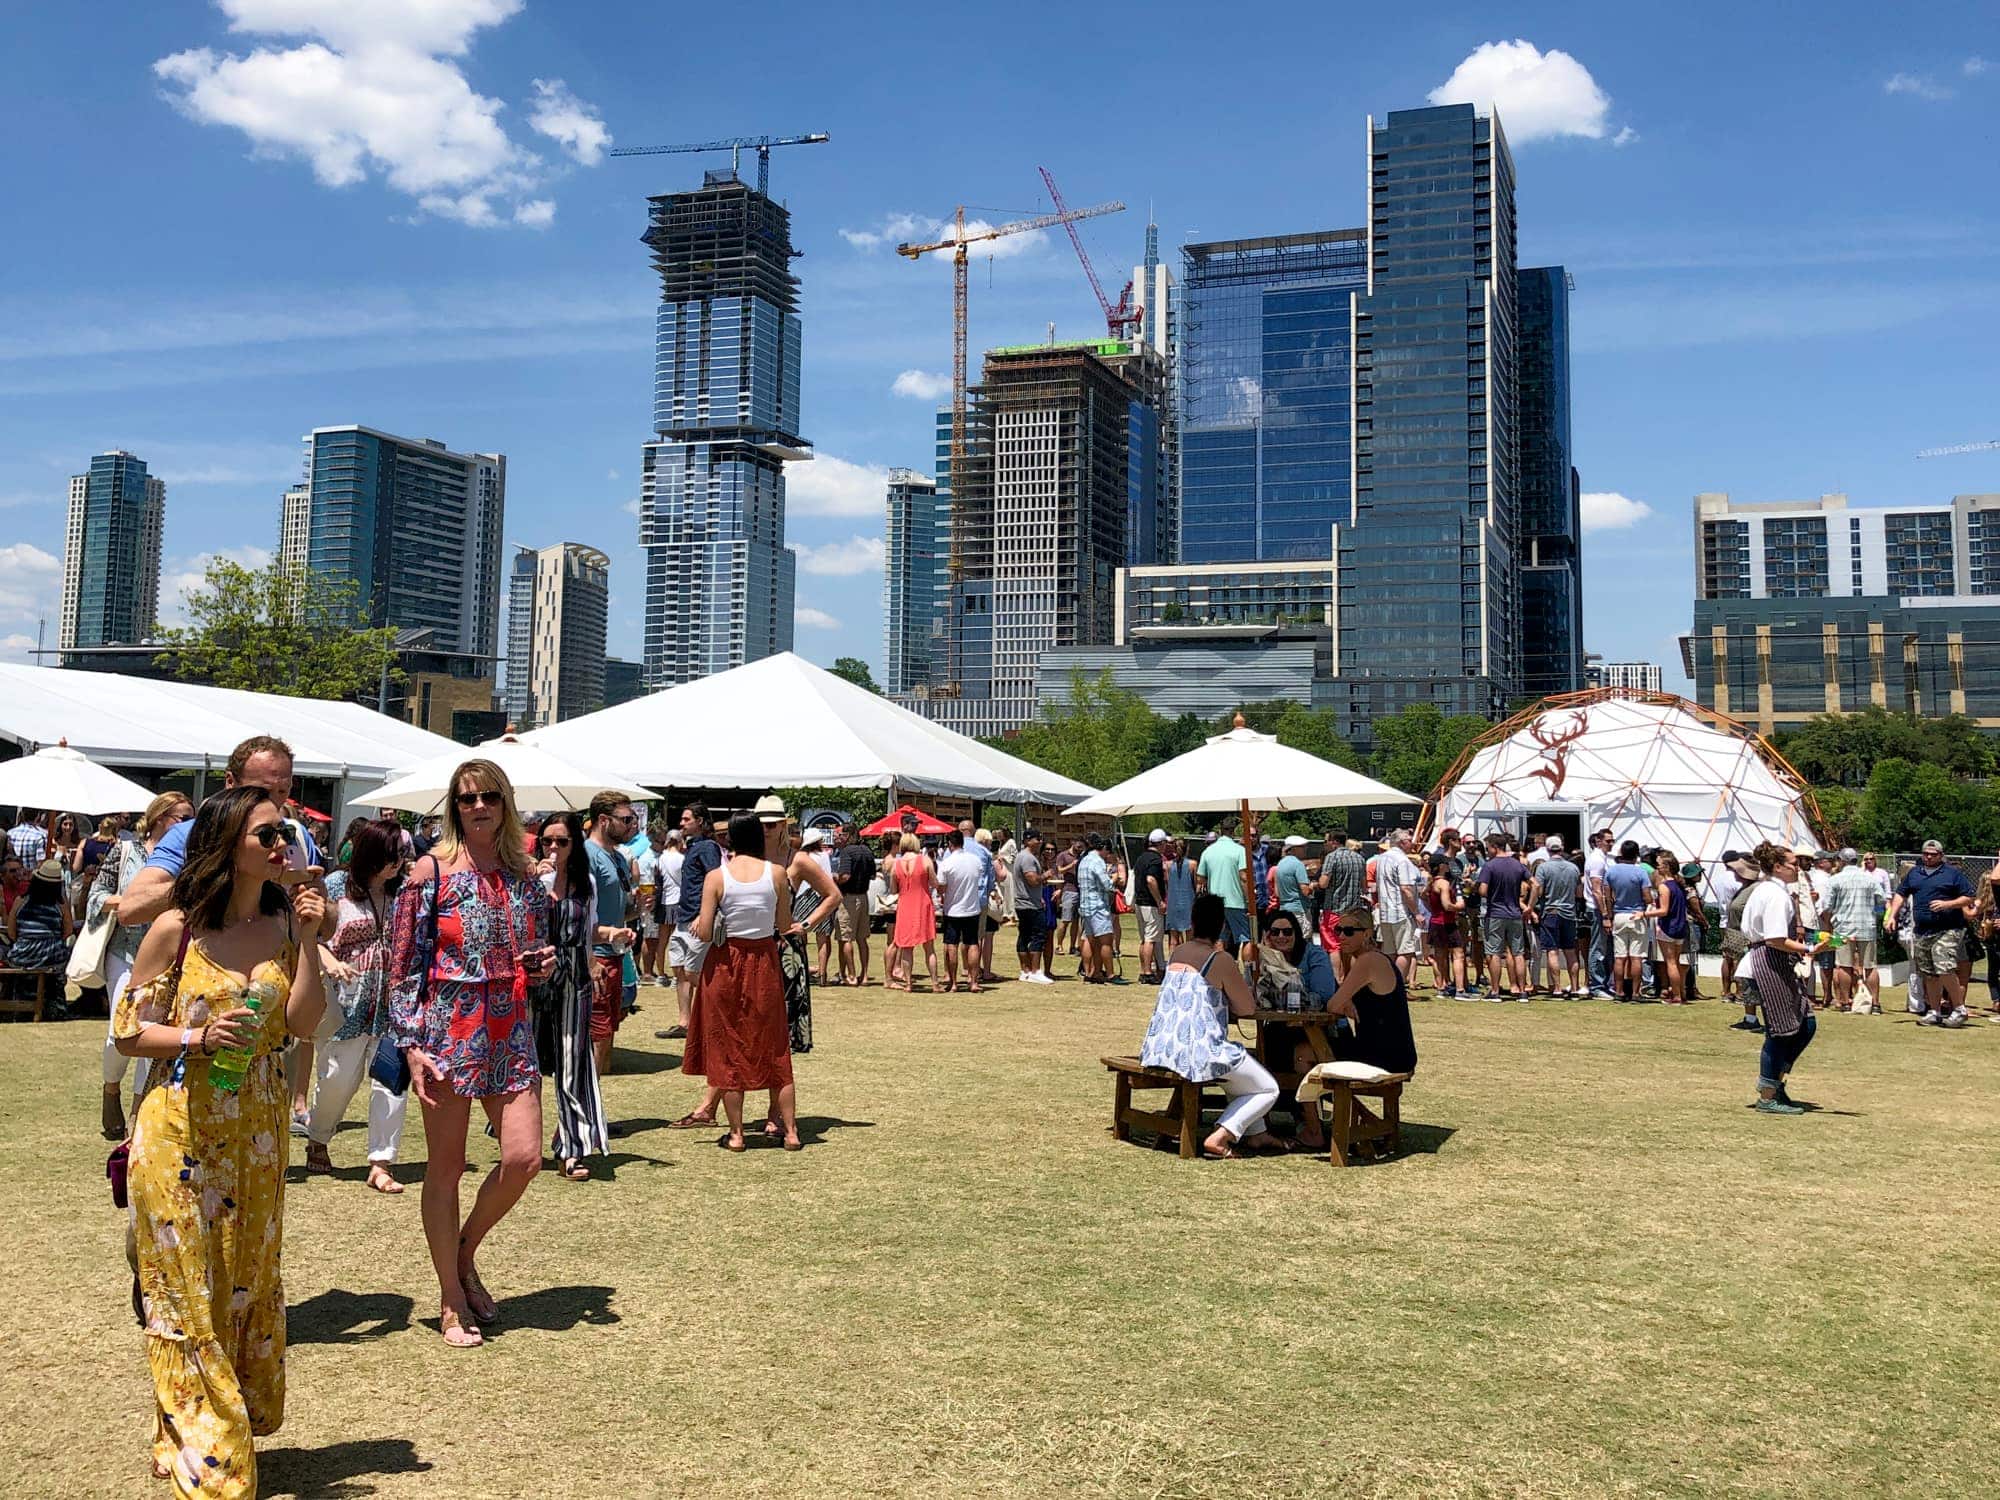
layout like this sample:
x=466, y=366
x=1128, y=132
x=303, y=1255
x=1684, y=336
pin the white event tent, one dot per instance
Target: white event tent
x=784, y=722
x=179, y=726
x=1649, y=766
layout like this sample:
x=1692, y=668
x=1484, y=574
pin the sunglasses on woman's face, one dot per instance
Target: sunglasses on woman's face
x=272, y=834
x=1351, y=931
x=1284, y=932
x=471, y=800
x=552, y=842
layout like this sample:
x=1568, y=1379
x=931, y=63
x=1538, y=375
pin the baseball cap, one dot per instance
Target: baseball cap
x=770, y=809
x=1157, y=836
x=813, y=838
x=1553, y=843
x=1293, y=841
x=1930, y=844
x=1850, y=857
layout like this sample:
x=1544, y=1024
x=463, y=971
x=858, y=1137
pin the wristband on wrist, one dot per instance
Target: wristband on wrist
x=187, y=1033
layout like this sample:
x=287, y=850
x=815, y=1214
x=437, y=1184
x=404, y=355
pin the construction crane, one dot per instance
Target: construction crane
x=1120, y=320
x=958, y=243
x=1985, y=447
x=735, y=146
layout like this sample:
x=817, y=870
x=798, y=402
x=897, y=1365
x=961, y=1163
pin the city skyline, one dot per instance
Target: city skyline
x=1718, y=319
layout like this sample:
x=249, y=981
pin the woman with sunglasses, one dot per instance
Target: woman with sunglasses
x=468, y=940
x=1372, y=999
x=563, y=999
x=1290, y=959
x=1189, y=1033
x=1771, y=928
x=207, y=1165
x=122, y=947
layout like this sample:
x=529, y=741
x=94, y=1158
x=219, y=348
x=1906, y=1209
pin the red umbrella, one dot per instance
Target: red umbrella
x=894, y=821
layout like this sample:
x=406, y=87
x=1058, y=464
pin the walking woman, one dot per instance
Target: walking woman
x=562, y=1000
x=222, y=970
x=1671, y=926
x=1771, y=928
x=359, y=1014
x=914, y=879
x=122, y=947
x=1180, y=894
x=737, y=1038
x=468, y=940
x=1441, y=934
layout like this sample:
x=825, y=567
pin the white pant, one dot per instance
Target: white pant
x=1251, y=1091
x=116, y=972
x=341, y=1067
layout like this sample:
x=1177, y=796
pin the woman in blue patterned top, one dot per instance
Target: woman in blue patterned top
x=1189, y=1033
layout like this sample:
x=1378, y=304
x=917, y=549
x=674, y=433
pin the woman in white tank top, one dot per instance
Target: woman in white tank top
x=737, y=1036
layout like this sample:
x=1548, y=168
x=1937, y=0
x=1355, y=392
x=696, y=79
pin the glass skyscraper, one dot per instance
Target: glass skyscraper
x=913, y=580
x=720, y=581
x=1264, y=329
x=111, y=553
x=414, y=526
x=1551, y=523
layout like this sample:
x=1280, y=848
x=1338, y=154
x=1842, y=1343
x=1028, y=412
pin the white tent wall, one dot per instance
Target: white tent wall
x=1653, y=767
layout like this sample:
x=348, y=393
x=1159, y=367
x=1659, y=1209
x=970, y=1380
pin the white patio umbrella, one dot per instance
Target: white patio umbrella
x=1243, y=772
x=543, y=782
x=69, y=781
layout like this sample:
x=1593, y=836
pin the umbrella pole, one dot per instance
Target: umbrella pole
x=1249, y=888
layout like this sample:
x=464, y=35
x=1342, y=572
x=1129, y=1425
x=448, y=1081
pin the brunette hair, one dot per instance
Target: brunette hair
x=576, y=864
x=510, y=843
x=1769, y=856
x=76, y=829
x=1206, y=916
x=378, y=844
x=208, y=876
x=746, y=836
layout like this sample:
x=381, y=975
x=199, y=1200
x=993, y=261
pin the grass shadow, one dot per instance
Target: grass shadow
x=813, y=1128
x=626, y=1062
x=338, y=1317
x=555, y=1309
x=337, y=1470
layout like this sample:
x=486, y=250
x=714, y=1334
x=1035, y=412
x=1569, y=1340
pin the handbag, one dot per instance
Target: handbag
x=390, y=1066
x=85, y=969
x=117, y=1165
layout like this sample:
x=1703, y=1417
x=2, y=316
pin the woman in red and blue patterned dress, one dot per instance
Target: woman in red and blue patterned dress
x=470, y=936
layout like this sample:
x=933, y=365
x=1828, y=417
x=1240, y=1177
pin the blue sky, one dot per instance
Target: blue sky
x=233, y=222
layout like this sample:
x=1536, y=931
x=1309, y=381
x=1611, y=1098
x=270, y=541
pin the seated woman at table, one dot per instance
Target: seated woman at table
x=1190, y=1032
x=1372, y=1000
x=1287, y=958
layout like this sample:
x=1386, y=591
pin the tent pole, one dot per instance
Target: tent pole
x=1249, y=885
x=892, y=798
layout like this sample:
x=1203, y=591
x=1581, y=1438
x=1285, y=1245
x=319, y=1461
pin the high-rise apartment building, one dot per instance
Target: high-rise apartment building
x=558, y=602
x=1264, y=382
x=111, y=553
x=720, y=581
x=295, y=529
x=913, y=580
x=412, y=524
x=1637, y=676
x=1551, y=493
x=1809, y=607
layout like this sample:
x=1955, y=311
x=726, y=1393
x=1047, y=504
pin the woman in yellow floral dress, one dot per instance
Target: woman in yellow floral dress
x=208, y=1164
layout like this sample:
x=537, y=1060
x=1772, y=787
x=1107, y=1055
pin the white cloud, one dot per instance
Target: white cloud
x=630, y=507
x=372, y=91
x=30, y=585
x=813, y=619
x=565, y=119
x=610, y=473
x=829, y=486
x=18, y=649
x=922, y=385
x=901, y=228
x=1972, y=67
x=1918, y=86
x=1539, y=95
x=1607, y=510
x=180, y=575
x=858, y=554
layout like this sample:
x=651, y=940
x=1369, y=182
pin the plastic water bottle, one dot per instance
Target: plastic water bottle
x=226, y=1070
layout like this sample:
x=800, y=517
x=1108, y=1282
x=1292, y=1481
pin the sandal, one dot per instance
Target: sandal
x=774, y=1128
x=575, y=1170
x=458, y=1333
x=380, y=1180
x=317, y=1161
x=793, y=1143
x=692, y=1121
x=730, y=1145
x=1227, y=1153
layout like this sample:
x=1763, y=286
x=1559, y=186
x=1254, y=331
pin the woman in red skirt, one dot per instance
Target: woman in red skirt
x=737, y=1035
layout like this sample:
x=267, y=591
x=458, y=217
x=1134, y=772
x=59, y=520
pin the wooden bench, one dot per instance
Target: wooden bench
x=12, y=1005
x=1349, y=1123
x=1180, y=1120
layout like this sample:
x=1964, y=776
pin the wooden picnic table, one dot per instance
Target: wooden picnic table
x=1318, y=1028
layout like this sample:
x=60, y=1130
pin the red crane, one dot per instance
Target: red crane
x=1119, y=321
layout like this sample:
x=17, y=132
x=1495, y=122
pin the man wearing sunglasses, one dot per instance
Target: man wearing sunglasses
x=612, y=821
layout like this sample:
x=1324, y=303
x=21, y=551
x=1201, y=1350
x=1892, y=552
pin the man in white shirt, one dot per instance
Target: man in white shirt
x=1398, y=887
x=961, y=874
x=1597, y=908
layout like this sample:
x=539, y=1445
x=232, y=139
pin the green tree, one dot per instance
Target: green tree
x=1173, y=737
x=856, y=671
x=1295, y=725
x=1907, y=803
x=1416, y=746
x=1102, y=735
x=270, y=630
x=1839, y=814
x=1844, y=749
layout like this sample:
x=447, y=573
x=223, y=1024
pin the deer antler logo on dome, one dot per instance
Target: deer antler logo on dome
x=1555, y=747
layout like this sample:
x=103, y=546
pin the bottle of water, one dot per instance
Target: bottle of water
x=226, y=1070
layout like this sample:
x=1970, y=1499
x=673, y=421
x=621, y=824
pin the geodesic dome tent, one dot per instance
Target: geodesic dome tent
x=1650, y=766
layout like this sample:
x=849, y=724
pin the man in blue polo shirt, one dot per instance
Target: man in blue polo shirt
x=1941, y=897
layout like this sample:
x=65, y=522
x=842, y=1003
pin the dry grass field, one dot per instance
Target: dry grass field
x=1596, y=1273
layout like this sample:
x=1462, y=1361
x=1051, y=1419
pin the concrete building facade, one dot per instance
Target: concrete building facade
x=557, y=610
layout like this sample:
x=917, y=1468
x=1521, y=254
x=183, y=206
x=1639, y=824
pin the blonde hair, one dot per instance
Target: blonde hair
x=158, y=808
x=911, y=844
x=511, y=841
x=107, y=828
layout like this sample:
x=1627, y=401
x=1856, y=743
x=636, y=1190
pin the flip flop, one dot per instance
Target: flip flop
x=1227, y=1153
x=575, y=1171
x=727, y=1145
x=692, y=1121
x=393, y=1187
x=458, y=1333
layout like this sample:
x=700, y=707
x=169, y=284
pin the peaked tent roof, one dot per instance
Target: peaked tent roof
x=784, y=722
x=137, y=721
x=1239, y=766
x=1655, y=768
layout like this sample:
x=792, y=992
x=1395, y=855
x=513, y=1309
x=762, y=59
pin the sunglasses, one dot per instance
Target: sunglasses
x=556, y=843
x=273, y=834
x=1281, y=931
x=480, y=799
x=1346, y=931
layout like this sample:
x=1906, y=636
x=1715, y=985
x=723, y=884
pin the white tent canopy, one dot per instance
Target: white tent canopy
x=784, y=722
x=1238, y=768
x=178, y=726
x=1651, y=768
x=542, y=780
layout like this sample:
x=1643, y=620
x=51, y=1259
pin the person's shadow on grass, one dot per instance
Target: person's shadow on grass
x=337, y=1470
x=338, y=1317
x=626, y=1062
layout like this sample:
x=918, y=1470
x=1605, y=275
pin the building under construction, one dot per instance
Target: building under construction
x=719, y=579
x=1062, y=472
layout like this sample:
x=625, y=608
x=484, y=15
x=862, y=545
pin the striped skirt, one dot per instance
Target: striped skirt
x=1774, y=976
